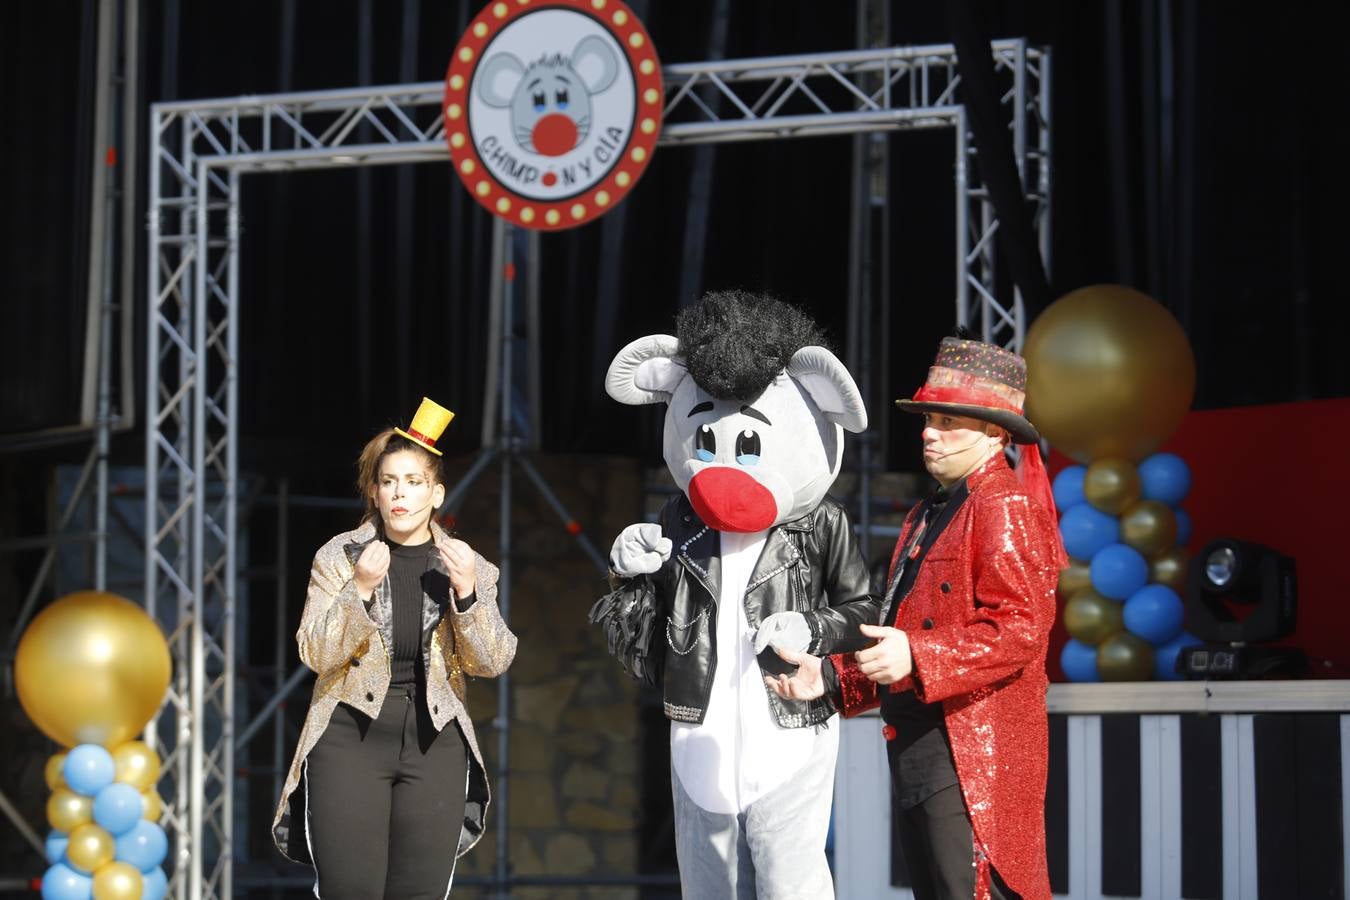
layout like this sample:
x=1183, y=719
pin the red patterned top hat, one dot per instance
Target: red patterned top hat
x=427, y=424
x=986, y=382
x=983, y=381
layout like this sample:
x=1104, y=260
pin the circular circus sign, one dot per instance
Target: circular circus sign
x=552, y=109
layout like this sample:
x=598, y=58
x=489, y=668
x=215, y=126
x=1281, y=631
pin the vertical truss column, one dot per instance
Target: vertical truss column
x=171, y=371
x=215, y=507
x=191, y=475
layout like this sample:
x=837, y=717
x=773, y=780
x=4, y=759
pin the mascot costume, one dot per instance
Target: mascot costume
x=755, y=415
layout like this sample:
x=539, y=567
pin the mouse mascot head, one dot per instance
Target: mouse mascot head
x=755, y=408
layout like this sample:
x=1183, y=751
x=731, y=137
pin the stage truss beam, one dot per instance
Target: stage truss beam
x=199, y=150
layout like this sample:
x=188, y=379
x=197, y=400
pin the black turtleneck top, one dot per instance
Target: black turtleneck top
x=408, y=563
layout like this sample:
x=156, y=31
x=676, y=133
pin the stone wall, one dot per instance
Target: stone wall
x=574, y=805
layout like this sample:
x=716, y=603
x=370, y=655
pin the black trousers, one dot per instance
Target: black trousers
x=385, y=802
x=938, y=844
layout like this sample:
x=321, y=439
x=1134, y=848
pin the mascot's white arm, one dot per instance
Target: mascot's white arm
x=639, y=550
x=643, y=372
x=785, y=631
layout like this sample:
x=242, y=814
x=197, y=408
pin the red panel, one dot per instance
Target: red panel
x=1276, y=475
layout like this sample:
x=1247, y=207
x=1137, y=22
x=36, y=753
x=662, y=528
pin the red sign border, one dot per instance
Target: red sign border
x=571, y=212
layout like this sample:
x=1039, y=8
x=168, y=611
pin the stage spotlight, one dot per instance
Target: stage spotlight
x=1238, y=594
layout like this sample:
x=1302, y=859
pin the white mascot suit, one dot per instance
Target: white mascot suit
x=755, y=415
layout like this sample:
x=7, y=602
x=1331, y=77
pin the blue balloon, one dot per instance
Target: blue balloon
x=117, y=808
x=1086, y=530
x=88, y=769
x=1155, y=613
x=56, y=845
x=1117, y=571
x=154, y=885
x=61, y=882
x=144, y=846
x=1079, y=661
x=1165, y=477
x=1068, y=487
x=1165, y=657
x=1183, y=527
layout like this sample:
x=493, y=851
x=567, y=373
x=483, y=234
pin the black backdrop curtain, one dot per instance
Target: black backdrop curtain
x=1197, y=154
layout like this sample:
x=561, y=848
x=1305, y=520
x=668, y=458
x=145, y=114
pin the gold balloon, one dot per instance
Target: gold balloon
x=91, y=668
x=90, y=847
x=118, y=881
x=136, y=764
x=1112, y=485
x=154, y=806
x=1110, y=373
x=1092, y=618
x=1149, y=526
x=1125, y=657
x=1169, y=568
x=1074, y=578
x=67, y=810
x=52, y=773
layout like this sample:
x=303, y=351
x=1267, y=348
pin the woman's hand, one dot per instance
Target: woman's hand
x=459, y=562
x=371, y=567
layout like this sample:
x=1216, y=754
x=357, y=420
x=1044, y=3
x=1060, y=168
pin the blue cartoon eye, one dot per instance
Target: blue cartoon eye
x=747, y=448
x=538, y=101
x=705, y=444
x=561, y=97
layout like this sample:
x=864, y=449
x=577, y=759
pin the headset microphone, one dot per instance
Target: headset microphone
x=413, y=512
x=972, y=444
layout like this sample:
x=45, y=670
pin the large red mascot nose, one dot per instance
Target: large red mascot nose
x=730, y=500
x=554, y=134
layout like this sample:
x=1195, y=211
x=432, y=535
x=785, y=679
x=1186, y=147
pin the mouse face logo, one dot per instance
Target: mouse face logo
x=552, y=110
x=550, y=99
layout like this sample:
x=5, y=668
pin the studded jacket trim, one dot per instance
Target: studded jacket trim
x=810, y=565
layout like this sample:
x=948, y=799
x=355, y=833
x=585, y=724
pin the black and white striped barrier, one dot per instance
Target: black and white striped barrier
x=1167, y=791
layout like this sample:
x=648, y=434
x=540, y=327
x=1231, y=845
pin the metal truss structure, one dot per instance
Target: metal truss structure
x=198, y=153
x=896, y=89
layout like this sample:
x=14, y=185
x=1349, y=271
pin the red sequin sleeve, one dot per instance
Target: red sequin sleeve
x=859, y=694
x=1014, y=561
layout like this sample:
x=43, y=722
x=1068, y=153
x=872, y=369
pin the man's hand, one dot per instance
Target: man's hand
x=887, y=661
x=459, y=563
x=785, y=630
x=371, y=567
x=804, y=684
x=639, y=550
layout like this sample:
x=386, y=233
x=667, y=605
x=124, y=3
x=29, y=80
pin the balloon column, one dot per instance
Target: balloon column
x=91, y=669
x=1110, y=375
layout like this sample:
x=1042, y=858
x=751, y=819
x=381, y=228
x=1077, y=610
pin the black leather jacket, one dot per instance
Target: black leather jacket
x=810, y=565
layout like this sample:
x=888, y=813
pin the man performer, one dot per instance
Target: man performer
x=958, y=668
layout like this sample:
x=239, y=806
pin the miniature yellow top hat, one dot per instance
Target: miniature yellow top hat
x=427, y=424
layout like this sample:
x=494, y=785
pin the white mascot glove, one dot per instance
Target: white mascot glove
x=639, y=550
x=785, y=630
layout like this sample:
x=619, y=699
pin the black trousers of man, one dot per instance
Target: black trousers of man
x=933, y=827
x=385, y=802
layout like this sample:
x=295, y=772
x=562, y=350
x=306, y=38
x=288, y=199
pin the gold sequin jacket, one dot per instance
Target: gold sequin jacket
x=978, y=617
x=346, y=641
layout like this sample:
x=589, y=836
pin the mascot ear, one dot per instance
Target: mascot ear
x=824, y=377
x=646, y=371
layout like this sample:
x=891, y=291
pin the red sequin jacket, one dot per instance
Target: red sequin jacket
x=978, y=618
